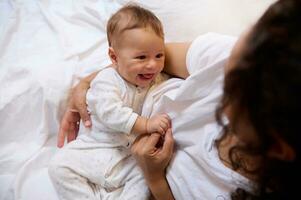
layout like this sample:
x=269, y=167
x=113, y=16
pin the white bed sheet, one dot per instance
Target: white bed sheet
x=46, y=45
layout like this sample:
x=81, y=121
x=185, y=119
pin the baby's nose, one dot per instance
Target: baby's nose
x=152, y=64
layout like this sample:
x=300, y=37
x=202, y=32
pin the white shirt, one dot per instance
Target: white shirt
x=196, y=171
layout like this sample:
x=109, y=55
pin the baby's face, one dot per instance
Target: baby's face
x=140, y=56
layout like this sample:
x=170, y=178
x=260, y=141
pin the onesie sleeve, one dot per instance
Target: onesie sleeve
x=105, y=103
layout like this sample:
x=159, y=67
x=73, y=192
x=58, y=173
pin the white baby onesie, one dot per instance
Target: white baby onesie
x=98, y=164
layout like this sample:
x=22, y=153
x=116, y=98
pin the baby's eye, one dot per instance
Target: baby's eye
x=140, y=57
x=159, y=55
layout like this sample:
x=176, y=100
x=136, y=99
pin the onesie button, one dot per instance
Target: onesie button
x=139, y=89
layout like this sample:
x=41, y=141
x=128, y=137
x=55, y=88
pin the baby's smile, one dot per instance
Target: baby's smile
x=146, y=76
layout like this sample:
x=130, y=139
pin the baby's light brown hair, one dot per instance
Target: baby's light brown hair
x=130, y=17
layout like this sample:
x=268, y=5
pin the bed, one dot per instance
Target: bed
x=46, y=46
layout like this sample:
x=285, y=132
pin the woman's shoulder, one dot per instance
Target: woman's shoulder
x=214, y=38
x=208, y=49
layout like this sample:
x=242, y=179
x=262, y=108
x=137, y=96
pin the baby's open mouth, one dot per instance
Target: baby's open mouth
x=146, y=76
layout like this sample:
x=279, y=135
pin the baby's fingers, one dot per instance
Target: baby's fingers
x=161, y=130
x=165, y=116
x=164, y=126
x=167, y=122
x=167, y=119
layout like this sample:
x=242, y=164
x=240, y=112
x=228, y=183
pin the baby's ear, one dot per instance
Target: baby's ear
x=112, y=55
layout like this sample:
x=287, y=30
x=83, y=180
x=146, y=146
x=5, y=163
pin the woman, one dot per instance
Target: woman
x=259, y=111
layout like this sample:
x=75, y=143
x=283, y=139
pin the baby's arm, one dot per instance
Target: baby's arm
x=105, y=101
x=158, y=123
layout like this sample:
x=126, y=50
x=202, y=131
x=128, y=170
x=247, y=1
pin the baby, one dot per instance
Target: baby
x=98, y=164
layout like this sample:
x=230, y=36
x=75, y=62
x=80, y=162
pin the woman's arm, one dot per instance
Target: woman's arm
x=153, y=160
x=76, y=110
x=160, y=189
x=175, y=59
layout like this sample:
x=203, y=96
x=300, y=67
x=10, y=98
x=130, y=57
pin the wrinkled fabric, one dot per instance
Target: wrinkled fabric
x=47, y=46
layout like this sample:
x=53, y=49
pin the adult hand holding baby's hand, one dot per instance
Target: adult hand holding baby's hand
x=158, y=123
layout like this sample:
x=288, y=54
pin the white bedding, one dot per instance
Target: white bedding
x=46, y=45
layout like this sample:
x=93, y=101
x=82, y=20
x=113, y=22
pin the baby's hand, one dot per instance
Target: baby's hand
x=158, y=123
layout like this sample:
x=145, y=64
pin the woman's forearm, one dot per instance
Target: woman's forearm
x=153, y=161
x=175, y=59
x=160, y=189
x=89, y=78
x=78, y=92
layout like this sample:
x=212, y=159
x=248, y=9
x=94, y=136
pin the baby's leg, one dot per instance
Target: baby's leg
x=77, y=172
x=70, y=185
x=135, y=189
x=129, y=175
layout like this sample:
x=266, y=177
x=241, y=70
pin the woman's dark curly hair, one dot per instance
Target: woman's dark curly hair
x=265, y=83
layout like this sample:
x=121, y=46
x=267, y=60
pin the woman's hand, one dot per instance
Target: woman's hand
x=77, y=109
x=153, y=156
